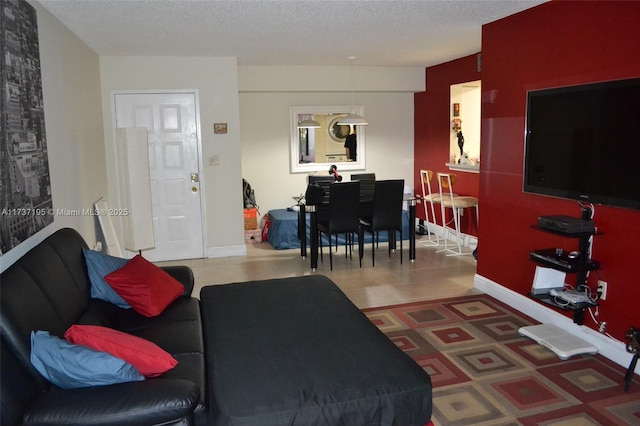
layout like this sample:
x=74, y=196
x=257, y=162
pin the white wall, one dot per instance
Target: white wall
x=255, y=103
x=216, y=82
x=267, y=93
x=257, y=145
x=330, y=79
x=73, y=118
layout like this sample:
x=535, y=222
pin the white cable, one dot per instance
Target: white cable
x=560, y=302
x=600, y=325
x=591, y=208
x=586, y=291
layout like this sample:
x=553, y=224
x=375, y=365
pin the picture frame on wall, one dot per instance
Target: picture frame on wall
x=219, y=128
x=25, y=185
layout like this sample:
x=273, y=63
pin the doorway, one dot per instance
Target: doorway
x=173, y=125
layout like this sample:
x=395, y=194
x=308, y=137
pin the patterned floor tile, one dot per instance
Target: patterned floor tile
x=386, y=321
x=588, y=379
x=429, y=315
x=474, y=309
x=454, y=336
x=442, y=371
x=466, y=405
x=501, y=328
x=581, y=415
x=536, y=354
x=620, y=410
x=486, y=361
x=528, y=393
x=411, y=342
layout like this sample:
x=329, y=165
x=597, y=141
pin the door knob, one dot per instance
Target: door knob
x=195, y=177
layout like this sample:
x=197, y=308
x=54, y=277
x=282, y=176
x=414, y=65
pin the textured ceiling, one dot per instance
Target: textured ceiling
x=286, y=32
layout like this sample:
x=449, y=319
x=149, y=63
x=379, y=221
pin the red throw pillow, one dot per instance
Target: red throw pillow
x=146, y=287
x=147, y=357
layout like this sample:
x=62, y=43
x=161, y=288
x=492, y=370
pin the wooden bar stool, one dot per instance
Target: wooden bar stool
x=456, y=204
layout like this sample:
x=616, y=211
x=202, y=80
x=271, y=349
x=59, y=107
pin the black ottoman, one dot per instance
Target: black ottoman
x=297, y=351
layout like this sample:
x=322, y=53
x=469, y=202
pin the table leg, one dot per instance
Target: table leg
x=412, y=231
x=360, y=244
x=313, y=219
x=629, y=376
x=302, y=230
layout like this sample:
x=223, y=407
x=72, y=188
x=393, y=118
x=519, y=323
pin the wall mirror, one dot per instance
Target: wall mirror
x=316, y=149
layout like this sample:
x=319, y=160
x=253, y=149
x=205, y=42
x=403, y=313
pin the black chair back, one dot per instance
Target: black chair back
x=320, y=178
x=387, y=214
x=387, y=204
x=344, y=207
x=323, y=182
x=363, y=176
x=367, y=190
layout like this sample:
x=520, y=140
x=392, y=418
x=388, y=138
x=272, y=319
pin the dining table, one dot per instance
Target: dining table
x=313, y=222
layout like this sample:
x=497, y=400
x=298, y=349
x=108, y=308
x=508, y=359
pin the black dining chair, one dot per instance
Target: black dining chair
x=367, y=189
x=387, y=214
x=322, y=205
x=343, y=217
x=363, y=176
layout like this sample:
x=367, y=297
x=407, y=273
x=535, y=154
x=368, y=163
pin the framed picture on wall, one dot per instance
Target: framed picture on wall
x=219, y=128
x=456, y=110
x=25, y=184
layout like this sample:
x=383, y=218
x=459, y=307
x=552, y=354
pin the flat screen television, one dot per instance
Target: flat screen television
x=583, y=143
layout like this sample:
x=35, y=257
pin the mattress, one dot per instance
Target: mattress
x=283, y=230
x=296, y=351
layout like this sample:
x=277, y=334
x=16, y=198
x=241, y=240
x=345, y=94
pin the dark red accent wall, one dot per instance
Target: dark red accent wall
x=555, y=44
x=433, y=129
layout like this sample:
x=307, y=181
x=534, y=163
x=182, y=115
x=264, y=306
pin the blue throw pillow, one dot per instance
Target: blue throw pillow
x=99, y=265
x=74, y=366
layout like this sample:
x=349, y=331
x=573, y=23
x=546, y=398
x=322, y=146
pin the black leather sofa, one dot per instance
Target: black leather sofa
x=290, y=351
x=49, y=289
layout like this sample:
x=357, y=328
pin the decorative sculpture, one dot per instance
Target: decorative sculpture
x=460, y=142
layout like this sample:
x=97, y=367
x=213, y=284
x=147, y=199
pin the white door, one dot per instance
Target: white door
x=171, y=120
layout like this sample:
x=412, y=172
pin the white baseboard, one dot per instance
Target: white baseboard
x=466, y=240
x=227, y=251
x=610, y=348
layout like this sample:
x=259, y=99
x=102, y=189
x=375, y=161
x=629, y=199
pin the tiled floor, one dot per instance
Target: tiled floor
x=432, y=275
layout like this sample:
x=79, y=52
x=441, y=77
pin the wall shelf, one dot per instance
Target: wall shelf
x=560, y=261
x=464, y=167
x=549, y=300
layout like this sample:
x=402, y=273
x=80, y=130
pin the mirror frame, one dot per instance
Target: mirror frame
x=294, y=152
